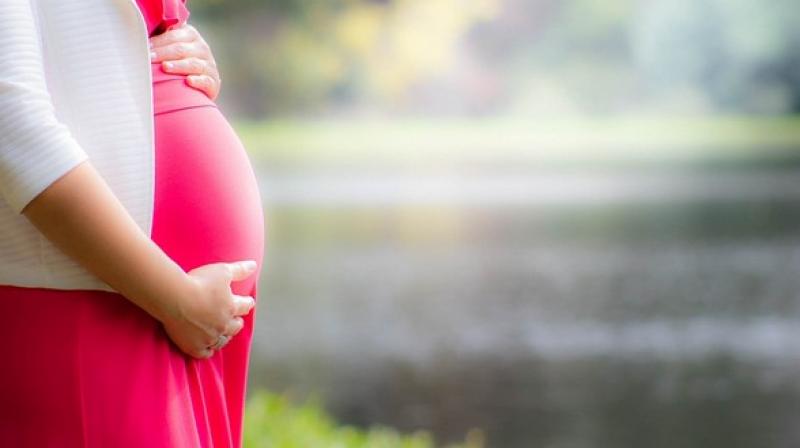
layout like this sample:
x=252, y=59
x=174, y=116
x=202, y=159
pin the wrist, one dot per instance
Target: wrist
x=172, y=301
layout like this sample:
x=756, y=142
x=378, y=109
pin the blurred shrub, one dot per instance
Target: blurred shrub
x=272, y=421
x=284, y=57
x=490, y=57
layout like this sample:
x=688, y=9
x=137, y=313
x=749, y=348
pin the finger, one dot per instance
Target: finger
x=178, y=50
x=188, y=66
x=204, y=353
x=181, y=34
x=239, y=327
x=242, y=269
x=219, y=342
x=204, y=83
x=211, y=337
x=234, y=326
x=242, y=305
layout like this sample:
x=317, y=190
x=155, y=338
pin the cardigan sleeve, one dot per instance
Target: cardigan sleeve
x=36, y=149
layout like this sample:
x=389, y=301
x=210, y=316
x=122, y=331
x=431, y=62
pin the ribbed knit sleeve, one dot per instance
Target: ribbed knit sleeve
x=35, y=148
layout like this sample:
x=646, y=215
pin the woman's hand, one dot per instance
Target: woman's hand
x=183, y=51
x=209, y=309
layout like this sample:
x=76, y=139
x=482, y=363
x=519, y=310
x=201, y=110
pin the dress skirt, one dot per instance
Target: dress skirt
x=91, y=369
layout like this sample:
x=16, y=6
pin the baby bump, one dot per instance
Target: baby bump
x=207, y=204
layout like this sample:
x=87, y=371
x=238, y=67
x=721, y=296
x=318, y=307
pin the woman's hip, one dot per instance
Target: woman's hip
x=87, y=368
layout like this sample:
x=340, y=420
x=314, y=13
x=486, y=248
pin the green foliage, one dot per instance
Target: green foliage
x=224, y=8
x=287, y=57
x=290, y=58
x=273, y=421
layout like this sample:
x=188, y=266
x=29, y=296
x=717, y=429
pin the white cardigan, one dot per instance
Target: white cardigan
x=75, y=83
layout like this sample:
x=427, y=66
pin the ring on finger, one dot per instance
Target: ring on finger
x=221, y=341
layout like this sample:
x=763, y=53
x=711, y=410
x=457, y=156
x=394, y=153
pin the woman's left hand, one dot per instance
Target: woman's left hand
x=183, y=51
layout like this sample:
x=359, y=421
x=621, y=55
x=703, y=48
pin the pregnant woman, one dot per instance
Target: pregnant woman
x=159, y=356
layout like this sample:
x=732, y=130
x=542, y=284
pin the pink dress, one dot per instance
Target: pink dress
x=90, y=368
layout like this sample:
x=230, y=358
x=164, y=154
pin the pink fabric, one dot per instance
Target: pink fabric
x=89, y=368
x=171, y=92
x=159, y=15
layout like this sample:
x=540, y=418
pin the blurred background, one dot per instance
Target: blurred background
x=530, y=223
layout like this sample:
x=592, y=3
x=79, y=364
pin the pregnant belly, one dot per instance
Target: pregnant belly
x=207, y=204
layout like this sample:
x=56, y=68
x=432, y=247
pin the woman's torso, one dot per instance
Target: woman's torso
x=94, y=55
x=205, y=191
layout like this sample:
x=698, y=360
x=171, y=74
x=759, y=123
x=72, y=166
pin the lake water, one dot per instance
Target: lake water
x=572, y=308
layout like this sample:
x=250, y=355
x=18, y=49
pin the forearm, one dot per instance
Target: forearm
x=81, y=216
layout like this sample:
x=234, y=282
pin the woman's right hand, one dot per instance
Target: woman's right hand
x=81, y=215
x=209, y=308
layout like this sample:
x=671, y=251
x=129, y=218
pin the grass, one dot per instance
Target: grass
x=273, y=421
x=436, y=143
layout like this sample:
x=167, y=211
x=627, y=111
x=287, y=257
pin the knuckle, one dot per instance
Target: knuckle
x=220, y=329
x=192, y=64
x=230, y=309
x=230, y=272
x=181, y=50
x=227, y=269
x=232, y=269
x=200, y=65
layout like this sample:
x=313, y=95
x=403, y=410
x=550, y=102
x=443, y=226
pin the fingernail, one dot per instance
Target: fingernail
x=168, y=65
x=249, y=265
x=152, y=55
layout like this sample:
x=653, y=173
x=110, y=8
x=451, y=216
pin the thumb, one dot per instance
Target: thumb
x=242, y=269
